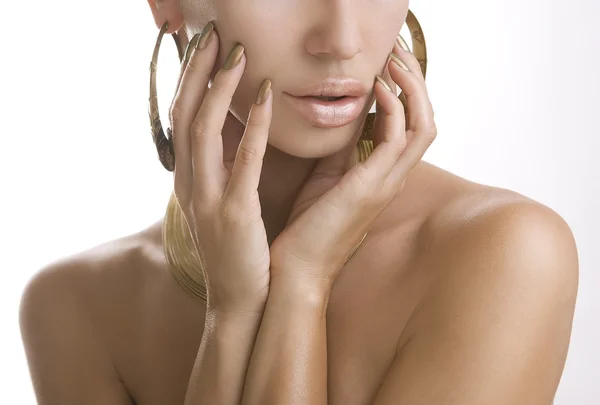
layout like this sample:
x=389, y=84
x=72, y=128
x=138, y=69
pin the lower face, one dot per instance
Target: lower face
x=300, y=43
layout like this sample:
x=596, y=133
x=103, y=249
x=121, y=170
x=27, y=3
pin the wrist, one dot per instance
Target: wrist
x=217, y=315
x=301, y=292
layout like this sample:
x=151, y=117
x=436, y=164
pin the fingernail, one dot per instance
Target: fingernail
x=262, y=92
x=205, y=36
x=190, y=48
x=234, y=57
x=402, y=43
x=398, y=62
x=383, y=82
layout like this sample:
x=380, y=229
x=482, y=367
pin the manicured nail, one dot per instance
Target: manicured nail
x=402, y=43
x=398, y=62
x=383, y=82
x=205, y=36
x=234, y=57
x=190, y=48
x=263, y=91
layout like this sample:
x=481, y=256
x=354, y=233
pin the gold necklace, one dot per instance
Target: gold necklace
x=182, y=258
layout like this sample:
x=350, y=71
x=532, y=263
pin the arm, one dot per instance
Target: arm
x=67, y=363
x=494, y=330
x=223, y=356
x=289, y=360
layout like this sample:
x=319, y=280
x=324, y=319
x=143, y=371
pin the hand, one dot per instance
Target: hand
x=335, y=208
x=220, y=201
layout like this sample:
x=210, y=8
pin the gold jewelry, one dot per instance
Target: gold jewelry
x=164, y=145
x=182, y=258
x=364, y=148
x=181, y=255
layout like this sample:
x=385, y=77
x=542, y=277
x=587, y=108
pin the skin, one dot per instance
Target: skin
x=461, y=293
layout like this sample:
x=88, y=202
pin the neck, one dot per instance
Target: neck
x=281, y=180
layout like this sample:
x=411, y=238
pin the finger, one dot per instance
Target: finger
x=388, y=133
x=407, y=56
x=207, y=143
x=190, y=93
x=189, y=50
x=413, y=154
x=245, y=174
x=420, y=126
x=419, y=109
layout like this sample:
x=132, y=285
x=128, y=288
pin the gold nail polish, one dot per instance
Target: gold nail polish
x=397, y=60
x=383, y=82
x=205, y=36
x=190, y=49
x=262, y=92
x=234, y=57
x=402, y=43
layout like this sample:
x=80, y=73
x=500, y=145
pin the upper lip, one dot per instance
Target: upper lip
x=333, y=87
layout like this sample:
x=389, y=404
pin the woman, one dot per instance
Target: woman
x=286, y=272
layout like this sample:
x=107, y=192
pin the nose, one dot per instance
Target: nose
x=336, y=34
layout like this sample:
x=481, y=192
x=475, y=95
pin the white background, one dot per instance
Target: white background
x=514, y=84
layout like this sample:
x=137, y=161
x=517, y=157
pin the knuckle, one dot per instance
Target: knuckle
x=431, y=133
x=193, y=65
x=399, y=144
x=199, y=130
x=246, y=155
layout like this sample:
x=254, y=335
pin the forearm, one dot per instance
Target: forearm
x=222, y=360
x=289, y=359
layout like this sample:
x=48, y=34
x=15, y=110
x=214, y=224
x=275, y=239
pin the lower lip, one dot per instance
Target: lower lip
x=328, y=114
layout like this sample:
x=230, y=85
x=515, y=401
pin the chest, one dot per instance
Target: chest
x=368, y=311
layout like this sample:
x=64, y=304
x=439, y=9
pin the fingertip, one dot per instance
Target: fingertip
x=264, y=92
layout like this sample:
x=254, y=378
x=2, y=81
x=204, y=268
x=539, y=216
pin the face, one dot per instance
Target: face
x=305, y=47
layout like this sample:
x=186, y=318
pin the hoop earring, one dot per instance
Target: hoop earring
x=164, y=145
x=365, y=145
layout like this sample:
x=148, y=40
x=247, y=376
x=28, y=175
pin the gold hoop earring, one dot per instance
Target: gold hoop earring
x=164, y=144
x=365, y=145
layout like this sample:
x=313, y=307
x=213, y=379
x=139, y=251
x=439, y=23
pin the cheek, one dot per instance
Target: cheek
x=380, y=31
x=249, y=23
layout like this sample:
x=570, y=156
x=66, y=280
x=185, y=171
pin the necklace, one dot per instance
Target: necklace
x=182, y=258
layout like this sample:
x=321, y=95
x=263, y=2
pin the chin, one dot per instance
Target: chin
x=310, y=142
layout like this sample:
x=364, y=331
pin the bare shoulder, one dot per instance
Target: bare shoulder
x=488, y=233
x=68, y=311
x=499, y=308
x=478, y=221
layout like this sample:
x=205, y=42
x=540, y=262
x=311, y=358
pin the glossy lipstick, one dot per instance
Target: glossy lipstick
x=317, y=105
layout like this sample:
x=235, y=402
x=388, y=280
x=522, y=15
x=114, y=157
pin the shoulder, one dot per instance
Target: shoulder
x=499, y=308
x=83, y=284
x=116, y=277
x=63, y=324
x=507, y=231
x=505, y=242
x=84, y=275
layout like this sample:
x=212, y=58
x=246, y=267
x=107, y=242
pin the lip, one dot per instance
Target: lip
x=327, y=114
x=333, y=87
